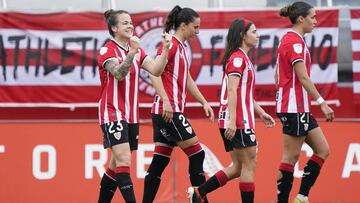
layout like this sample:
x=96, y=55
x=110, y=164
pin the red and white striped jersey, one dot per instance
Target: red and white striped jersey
x=291, y=96
x=240, y=65
x=119, y=99
x=174, y=77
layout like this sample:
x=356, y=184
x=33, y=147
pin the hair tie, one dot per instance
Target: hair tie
x=246, y=22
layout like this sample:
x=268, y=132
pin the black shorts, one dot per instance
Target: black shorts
x=243, y=138
x=297, y=124
x=118, y=132
x=179, y=129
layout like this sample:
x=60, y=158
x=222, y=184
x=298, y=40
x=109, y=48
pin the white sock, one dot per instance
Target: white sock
x=302, y=197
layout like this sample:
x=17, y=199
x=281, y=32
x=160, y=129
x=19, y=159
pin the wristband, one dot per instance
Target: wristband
x=320, y=100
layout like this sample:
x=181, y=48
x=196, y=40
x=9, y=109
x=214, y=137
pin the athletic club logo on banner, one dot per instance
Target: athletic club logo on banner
x=149, y=31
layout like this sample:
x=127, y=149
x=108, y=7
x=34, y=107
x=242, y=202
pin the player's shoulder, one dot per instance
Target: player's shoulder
x=238, y=53
x=106, y=47
x=175, y=42
x=292, y=38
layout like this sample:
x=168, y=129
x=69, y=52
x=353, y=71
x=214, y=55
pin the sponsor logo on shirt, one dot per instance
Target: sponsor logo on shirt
x=164, y=133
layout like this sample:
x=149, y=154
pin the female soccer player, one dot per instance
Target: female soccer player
x=119, y=61
x=171, y=127
x=236, y=115
x=293, y=104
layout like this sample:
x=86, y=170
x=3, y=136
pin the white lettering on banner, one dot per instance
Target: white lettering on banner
x=36, y=161
x=309, y=152
x=211, y=162
x=142, y=160
x=2, y=148
x=90, y=162
x=146, y=25
x=351, y=166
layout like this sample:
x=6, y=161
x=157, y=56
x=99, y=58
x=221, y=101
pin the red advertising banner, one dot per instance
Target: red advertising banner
x=355, y=42
x=50, y=59
x=63, y=162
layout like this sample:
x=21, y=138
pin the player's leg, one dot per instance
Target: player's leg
x=108, y=183
x=317, y=141
x=160, y=160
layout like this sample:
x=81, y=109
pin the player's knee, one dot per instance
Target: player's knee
x=291, y=158
x=123, y=159
x=324, y=154
x=196, y=158
x=235, y=169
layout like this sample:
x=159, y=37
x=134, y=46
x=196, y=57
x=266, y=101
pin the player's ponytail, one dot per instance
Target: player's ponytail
x=171, y=18
x=285, y=11
x=179, y=15
x=295, y=10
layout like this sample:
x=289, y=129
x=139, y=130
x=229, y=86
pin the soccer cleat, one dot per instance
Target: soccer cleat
x=194, y=195
x=296, y=200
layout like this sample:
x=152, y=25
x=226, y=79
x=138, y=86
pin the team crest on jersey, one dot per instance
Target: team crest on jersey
x=149, y=31
x=297, y=48
x=189, y=130
x=306, y=126
x=117, y=135
x=237, y=62
x=103, y=50
x=252, y=137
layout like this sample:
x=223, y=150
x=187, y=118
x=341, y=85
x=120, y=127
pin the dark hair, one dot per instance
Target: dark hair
x=179, y=15
x=111, y=18
x=295, y=10
x=235, y=38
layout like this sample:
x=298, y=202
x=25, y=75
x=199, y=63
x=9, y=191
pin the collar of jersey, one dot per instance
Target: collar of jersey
x=297, y=34
x=179, y=41
x=119, y=45
x=243, y=52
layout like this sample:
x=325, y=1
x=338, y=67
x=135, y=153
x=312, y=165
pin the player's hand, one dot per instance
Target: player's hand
x=329, y=113
x=166, y=40
x=209, y=111
x=167, y=111
x=230, y=130
x=135, y=43
x=268, y=120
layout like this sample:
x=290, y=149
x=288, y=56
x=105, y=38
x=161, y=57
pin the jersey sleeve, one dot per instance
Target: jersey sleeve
x=296, y=52
x=143, y=55
x=235, y=66
x=105, y=53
